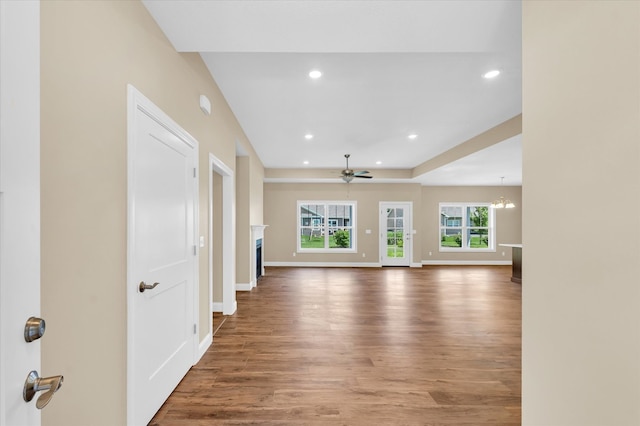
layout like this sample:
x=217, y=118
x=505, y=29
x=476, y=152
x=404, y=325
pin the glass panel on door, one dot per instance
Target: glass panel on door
x=395, y=232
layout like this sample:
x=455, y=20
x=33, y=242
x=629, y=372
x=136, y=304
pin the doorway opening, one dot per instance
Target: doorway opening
x=222, y=260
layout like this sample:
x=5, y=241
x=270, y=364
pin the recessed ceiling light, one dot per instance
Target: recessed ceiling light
x=315, y=74
x=308, y=136
x=492, y=74
x=378, y=162
x=412, y=136
x=305, y=162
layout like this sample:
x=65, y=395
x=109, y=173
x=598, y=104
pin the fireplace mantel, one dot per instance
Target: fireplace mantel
x=257, y=233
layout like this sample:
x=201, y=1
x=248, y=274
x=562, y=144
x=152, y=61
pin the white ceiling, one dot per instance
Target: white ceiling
x=390, y=68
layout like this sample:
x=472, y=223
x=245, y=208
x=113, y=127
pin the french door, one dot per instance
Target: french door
x=395, y=233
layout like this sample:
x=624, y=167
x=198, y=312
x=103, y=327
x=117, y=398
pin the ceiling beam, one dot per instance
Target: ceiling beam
x=497, y=134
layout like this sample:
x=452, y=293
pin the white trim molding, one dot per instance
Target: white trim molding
x=467, y=262
x=244, y=286
x=326, y=264
x=228, y=234
x=203, y=346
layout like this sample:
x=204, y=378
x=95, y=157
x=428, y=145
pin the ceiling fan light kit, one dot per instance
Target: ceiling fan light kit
x=348, y=174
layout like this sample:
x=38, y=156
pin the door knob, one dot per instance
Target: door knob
x=35, y=383
x=143, y=286
x=34, y=329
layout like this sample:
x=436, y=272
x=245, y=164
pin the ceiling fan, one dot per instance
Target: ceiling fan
x=348, y=174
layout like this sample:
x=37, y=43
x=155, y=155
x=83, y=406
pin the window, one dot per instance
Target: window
x=327, y=226
x=467, y=227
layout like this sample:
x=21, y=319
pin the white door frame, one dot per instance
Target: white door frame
x=19, y=206
x=229, y=303
x=408, y=234
x=137, y=101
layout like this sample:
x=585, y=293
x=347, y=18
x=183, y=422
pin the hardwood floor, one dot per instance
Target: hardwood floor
x=362, y=346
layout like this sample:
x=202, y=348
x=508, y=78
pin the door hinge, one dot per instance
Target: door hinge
x=195, y=250
x=195, y=328
x=195, y=172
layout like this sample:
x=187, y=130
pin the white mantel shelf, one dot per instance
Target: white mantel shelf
x=258, y=230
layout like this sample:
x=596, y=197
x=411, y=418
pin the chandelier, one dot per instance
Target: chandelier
x=502, y=203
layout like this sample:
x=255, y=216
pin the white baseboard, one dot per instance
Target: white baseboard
x=326, y=264
x=216, y=307
x=378, y=265
x=466, y=262
x=243, y=287
x=203, y=346
x=234, y=308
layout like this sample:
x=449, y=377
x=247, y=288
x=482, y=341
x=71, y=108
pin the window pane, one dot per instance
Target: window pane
x=451, y=216
x=478, y=216
x=339, y=215
x=395, y=243
x=311, y=225
x=451, y=237
x=478, y=238
x=311, y=238
x=311, y=215
x=391, y=237
x=340, y=238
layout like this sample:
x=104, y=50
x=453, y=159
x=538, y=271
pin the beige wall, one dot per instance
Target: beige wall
x=508, y=221
x=249, y=193
x=256, y=178
x=90, y=52
x=243, y=220
x=217, y=248
x=280, y=214
x=581, y=150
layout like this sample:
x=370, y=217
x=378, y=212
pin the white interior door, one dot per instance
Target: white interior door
x=162, y=249
x=395, y=234
x=19, y=205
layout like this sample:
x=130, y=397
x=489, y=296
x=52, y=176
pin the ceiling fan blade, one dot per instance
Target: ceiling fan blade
x=361, y=176
x=361, y=172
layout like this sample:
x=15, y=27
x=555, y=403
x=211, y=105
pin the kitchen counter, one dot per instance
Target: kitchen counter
x=516, y=262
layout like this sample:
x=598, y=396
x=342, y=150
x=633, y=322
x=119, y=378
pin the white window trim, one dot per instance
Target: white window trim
x=464, y=227
x=354, y=240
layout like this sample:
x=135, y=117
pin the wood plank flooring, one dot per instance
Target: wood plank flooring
x=362, y=346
